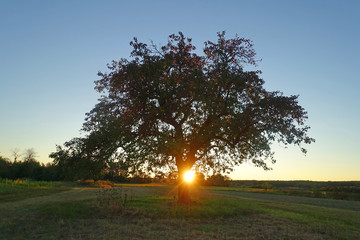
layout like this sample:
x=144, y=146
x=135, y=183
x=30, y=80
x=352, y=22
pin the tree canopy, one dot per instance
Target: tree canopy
x=170, y=107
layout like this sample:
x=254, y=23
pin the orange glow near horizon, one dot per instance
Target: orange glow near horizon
x=189, y=176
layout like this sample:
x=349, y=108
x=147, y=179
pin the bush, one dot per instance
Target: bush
x=263, y=185
x=218, y=180
x=113, y=200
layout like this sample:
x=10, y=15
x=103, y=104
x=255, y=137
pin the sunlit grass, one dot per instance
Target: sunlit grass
x=27, y=183
x=20, y=189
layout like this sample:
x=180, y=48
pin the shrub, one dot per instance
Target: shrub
x=114, y=200
x=218, y=180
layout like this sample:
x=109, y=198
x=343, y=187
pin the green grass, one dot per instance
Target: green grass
x=14, y=190
x=165, y=207
x=65, y=210
x=153, y=213
x=23, y=184
x=342, y=220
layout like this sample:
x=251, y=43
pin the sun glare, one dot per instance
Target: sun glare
x=189, y=176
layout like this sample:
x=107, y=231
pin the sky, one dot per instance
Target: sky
x=51, y=52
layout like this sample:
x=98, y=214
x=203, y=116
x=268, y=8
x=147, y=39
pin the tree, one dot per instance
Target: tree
x=77, y=160
x=29, y=155
x=16, y=154
x=5, y=167
x=169, y=106
x=218, y=180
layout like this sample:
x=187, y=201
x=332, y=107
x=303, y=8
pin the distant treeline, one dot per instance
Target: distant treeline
x=32, y=169
x=29, y=169
x=344, y=190
x=299, y=184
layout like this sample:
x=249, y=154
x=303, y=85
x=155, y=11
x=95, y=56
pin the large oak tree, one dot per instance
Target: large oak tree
x=169, y=106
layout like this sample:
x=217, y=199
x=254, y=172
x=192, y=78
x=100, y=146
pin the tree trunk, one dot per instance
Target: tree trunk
x=183, y=189
x=184, y=193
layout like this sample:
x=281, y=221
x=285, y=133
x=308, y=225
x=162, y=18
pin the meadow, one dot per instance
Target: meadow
x=60, y=210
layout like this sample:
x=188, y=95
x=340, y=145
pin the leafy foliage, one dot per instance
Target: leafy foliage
x=75, y=161
x=28, y=168
x=168, y=106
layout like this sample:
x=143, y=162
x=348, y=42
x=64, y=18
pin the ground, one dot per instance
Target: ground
x=151, y=212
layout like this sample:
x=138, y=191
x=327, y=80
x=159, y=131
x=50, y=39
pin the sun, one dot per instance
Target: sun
x=189, y=176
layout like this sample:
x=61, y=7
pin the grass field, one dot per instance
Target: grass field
x=64, y=211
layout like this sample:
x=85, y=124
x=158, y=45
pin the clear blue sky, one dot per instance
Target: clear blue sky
x=51, y=51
